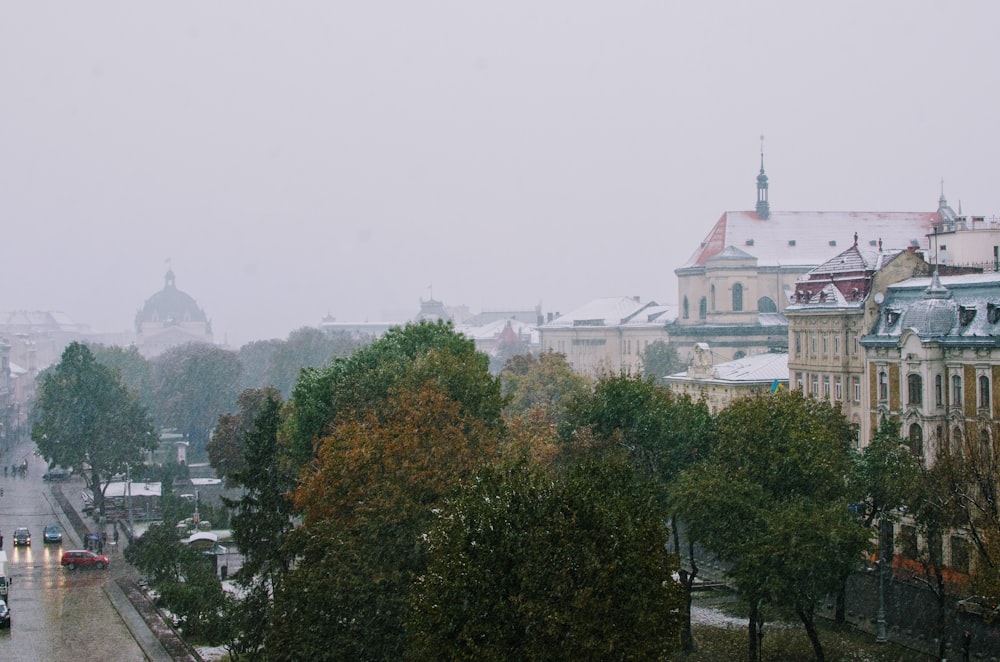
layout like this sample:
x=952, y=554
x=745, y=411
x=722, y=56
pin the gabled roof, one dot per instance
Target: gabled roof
x=614, y=311
x=806, y=238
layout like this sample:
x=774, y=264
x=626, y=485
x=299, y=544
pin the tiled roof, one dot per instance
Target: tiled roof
x=807, y=238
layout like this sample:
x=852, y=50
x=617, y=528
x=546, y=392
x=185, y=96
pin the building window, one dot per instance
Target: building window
x=917, y=440
x=855, y=348
x=984, y=392
x=798, y=381
x=712, y=293
x=824, y=344
x=737, y=297
x=838, y=388
x=798, y=343
x=938, y=391
x=826, y=386
x=812, y=341
x=883, y=386
x=766, y=305
x=915, y=389
x=815, y=385
x=956, y=391
x=685, y=307
x=856, y=388
x=836, y=345
x=703, y=308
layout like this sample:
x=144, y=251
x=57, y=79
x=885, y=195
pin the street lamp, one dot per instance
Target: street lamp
x=128, y=489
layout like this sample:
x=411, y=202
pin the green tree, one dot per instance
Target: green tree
x=262, y=520
x=195, y=383
x=772, y=500
x=132, y=367
x=545, y=383
x=355, y=385
x=528, y=565
x=87, y=419
x=307, y=347
x=661, y=432
x=365, y=502
x=660, y=359
x=255, y=357
x=226, y=449
x=184, y=580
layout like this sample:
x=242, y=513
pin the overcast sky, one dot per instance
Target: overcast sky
x=299, y=159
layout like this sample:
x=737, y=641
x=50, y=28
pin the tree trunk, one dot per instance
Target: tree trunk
x=95, y=488
x=808, y=618
x=752, y=629
x=687, y=581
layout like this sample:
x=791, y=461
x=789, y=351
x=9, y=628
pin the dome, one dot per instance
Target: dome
x=935, y=315
x=170, y=306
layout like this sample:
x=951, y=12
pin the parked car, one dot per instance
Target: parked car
x=22, y=537
x=56, y=474
x=4, y=615
x=82, y=558
x=52, y=533
x=983, y=606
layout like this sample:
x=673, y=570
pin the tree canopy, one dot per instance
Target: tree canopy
x=525, y=564
x=772, y=500
x=194, y=384
x=86, y=418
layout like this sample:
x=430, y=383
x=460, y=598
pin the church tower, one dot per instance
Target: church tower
x=763, y=208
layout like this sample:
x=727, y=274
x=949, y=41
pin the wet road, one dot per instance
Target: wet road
x=57, y=614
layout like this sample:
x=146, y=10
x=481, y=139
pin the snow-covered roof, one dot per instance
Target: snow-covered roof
x=757, y=368
x=950, y=310
x=615, y=311
x=806, y=238
x=492, y=330
x=119, y=489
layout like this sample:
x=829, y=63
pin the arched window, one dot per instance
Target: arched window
x=766, y=305
x=917, y=440
x=956, y=391
x=915, y=389
x=984, y=392
x=956, y=440
x=703, y=308
x=938, y=392
x=738, y=354
x=685, y=307
x=737, y=297
x=883, y=386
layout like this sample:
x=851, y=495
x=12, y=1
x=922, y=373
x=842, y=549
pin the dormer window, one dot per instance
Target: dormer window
x=749, y=242
x=992, y=313
x=791, y=242
x=966, y=314
x=833, y=242
x=891, y=316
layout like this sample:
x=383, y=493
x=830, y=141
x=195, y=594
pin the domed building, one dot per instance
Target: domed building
x=170, y=318
x=933, y=358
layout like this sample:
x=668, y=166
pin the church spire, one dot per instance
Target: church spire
x=763, y=207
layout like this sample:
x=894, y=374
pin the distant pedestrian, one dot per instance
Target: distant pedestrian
x=966, y=645
x=116, y=535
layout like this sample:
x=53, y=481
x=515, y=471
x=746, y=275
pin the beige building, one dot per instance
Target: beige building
x=734, y=290
x=718, y=384
x=607, y=335
x=933, y=359
x=833, y=306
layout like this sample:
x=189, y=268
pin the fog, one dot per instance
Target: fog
x=294, y=160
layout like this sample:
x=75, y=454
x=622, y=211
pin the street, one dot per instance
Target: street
x=57, y=614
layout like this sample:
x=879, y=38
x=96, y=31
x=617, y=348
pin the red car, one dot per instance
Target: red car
x=82, y=558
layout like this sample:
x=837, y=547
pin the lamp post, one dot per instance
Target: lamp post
x=128, y=488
